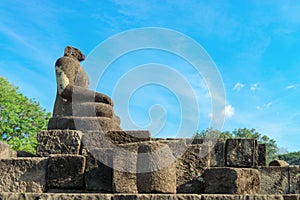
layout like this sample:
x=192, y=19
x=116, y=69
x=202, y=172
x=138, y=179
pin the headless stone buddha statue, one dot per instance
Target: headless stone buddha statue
x=73, y=98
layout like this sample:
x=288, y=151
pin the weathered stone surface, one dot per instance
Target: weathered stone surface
x=241, y=197
x=65, y=171
x=241, y=152
x=217, y=148
x=6, y=152
x=157, y=139
x=262, y=155
x=91, y=109
x=188, y=141
x=95, y=196
x=279, y=163
x=25, y=154
x=96, y=140
x=58, y=142
x=88, y=109
x=50, y=196
x=156, y=169
x=274, y=180
x=190, y=169
x=177, y=147
x=123, y=137
x=157, y=197
x=197, y=141
x=117, y=119
x=291, y=197
x=67, y=190
x=217, y=151
x=124, y=172
x=225, y=180
x=83, y=123
x=98, y=171
x=23, y=174
x=294, y=179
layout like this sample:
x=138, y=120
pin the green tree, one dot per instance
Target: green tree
x=271, y=145
x=20, y=118
x=213, y=133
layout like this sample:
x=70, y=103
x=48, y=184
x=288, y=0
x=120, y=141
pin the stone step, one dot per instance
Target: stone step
x=228, y=180
x=83, y=123
x=97, y=196
x=23, y=174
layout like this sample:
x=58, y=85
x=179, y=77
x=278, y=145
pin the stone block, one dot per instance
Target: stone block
x=98, y=171
x=217, y=151
x=51, y=196
x=262, y=155
x=241, y=152
x=157, y=197
x=225, y=180
x=25, y=154
x=190, y=168
x=177, y=147
x=6, y=151
x=294, y=179
x=274, y=180
x=291, y=197
x=241, y=197
x=156, y=169
x=83, y=123
x=124, y=168
x=124, y=137
x=279, y=163
x=65, y=171
x=197, y=141
x=96, y=140
x=23, y=174
x=58, y=142
x=78, y=196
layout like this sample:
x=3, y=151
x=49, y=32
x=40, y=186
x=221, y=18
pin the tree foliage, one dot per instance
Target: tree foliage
x=271, y=145
x=20, y=118
x=292, y=158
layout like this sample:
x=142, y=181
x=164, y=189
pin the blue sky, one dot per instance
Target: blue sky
x=255, y=46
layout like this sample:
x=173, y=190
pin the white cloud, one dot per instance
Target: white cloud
x=265, y=106
x=238, y=86
x=291, y=86
x=254, y=86
x=268, y=105
x=229, y=111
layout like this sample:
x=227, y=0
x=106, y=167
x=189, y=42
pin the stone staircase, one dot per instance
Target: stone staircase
x=71, y=164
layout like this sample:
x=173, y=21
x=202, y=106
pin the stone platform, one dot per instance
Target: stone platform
x=94, y=196
x=71, y=164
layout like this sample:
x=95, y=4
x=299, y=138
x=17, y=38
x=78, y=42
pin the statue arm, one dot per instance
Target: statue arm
x=80, y=94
